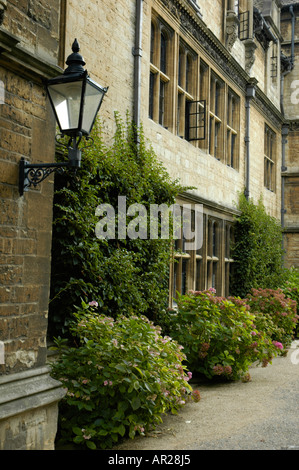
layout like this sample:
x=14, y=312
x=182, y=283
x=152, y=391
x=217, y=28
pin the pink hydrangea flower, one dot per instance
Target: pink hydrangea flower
x=218, y=369
x=196, y=395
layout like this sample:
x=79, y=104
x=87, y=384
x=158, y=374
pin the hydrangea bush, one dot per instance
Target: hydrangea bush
x=119, y=380
x=275, y=313
x=219, y=335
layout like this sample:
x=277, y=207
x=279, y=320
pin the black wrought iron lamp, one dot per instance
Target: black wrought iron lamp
x=76, y=100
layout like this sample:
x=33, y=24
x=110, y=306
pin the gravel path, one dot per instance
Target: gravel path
x=259, y=415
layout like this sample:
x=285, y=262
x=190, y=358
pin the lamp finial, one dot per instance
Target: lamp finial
x=75, y=46
x=75, y=60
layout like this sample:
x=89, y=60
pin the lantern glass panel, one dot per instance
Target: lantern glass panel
x=66, y=98
x=92, y=101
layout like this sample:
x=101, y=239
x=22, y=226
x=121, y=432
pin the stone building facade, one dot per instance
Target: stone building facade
x=208, y=94
x=29, y=53
x=209, y=83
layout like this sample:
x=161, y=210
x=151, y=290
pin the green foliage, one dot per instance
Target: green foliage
x=120, y=379
x=290, y=288
x=219, y=335
x=274, y=313
x=257, y=250
x=125, y=276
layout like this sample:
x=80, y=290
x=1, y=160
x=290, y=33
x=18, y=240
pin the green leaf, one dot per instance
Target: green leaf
x=136, y=385
x=121, y=430
x=121, y=368
x=140, y=371
x=77, y=431
x=135, y=403
x=91, y=445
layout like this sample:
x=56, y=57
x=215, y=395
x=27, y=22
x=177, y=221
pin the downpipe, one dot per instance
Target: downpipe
x=250, y=94
x=137, y=53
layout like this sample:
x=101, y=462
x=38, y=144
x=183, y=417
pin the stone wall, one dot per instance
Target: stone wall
x=29, y=47
x=25, y=228
x=105, y=31
x=36, y=24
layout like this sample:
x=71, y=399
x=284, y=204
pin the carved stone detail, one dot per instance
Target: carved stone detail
x=174, y=9
x=294, y=126
x=232, y=25
x=3, y=7
x=250, y=47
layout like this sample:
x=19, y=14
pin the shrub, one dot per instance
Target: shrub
x=291, y=289
x=274, y=313
x=120, y=379
x=219, y=335
x=257, y=250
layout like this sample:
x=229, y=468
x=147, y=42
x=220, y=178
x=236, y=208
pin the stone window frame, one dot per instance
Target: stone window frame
x=181, y=266
x=227, y=126
x=161, y=72
x=228, y=259
x=213, y=255
x=270, y=143
x=232, y=129
x=186, y=84
x=210, y=266
x=216, y=116
x=169, y=109
x=273, y=62
x=242, y=9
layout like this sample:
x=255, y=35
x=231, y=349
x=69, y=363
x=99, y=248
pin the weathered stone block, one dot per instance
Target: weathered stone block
x=28, y=410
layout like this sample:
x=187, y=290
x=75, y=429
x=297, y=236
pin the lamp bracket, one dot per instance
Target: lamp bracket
x=33, y=174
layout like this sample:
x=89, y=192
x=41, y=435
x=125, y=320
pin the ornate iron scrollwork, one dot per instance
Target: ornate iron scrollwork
x=33, y=174
x=37, y=175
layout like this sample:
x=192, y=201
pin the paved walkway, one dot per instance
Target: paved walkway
x=259, y=415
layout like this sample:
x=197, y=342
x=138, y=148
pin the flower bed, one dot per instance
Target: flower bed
x=223, y=336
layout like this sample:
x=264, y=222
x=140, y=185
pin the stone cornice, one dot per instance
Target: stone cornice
x=290, y=174
x=291, y=229
x=209, y=204
x=17, y=59
x=26, y=391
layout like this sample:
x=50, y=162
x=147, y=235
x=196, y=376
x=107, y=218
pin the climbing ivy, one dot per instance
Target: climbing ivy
x=123, y=276
x=257, y=250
